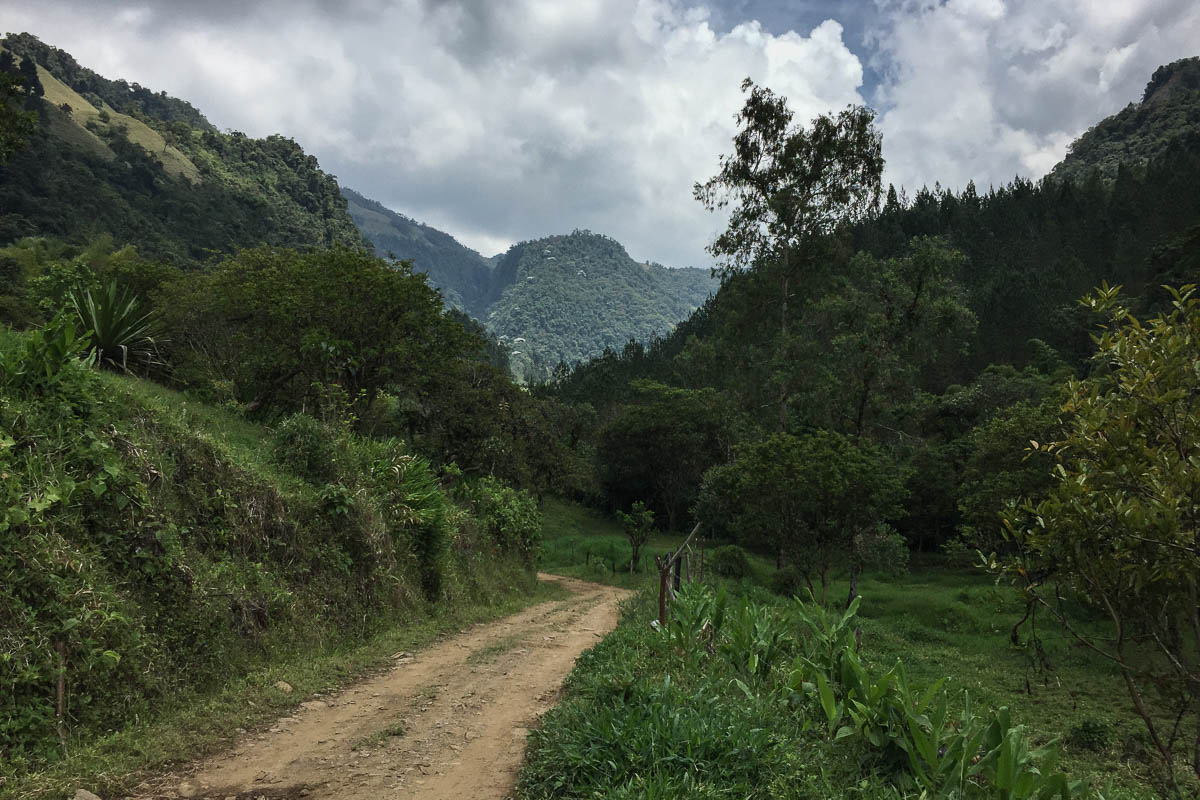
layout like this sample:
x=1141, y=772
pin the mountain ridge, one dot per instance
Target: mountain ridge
x=1167, y=117
x=596, y=280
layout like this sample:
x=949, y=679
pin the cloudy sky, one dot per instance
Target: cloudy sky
x=502, y=120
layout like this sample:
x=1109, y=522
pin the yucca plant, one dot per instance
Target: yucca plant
x=120, y=332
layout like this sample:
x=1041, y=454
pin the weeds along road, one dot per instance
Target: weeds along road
x=446, y=722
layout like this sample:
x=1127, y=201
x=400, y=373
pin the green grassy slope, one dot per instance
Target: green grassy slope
x=172, y=560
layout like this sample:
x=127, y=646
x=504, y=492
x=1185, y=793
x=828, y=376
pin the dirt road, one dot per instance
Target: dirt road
x=446, y=722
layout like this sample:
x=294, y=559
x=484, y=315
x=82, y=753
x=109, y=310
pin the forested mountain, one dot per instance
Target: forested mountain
x=1167, y=118
x=462, y=275
x=922, y=324
x=560, y=298
x=110, y=157
x=568, y=298
x=116, y=158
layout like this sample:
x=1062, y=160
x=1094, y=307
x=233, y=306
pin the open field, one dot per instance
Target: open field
x=941, y=622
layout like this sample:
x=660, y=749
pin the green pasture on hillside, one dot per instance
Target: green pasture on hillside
x=940, y=621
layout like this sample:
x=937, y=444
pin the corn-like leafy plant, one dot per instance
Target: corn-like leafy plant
x=975, y=755
x=120, y=332
x=754, y=639
x=697, y=615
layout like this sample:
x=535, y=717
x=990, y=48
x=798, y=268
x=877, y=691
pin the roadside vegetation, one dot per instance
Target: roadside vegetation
x=679, y=712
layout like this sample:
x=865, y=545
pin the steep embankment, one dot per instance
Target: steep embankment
x=156, y=551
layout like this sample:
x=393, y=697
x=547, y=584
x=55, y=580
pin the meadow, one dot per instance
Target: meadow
x=644, y=716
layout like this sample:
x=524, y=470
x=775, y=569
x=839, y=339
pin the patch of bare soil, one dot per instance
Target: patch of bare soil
x=446, y=722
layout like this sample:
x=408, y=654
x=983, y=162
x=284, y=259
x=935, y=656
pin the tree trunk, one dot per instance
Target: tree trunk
x=1015, y=634
x=1196, y=751
x=854, y=569
x=783, y=327
x=60, y=696
x=662, y=589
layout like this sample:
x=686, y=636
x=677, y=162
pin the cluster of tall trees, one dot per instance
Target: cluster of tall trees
x=879, y=373
x=337, y=333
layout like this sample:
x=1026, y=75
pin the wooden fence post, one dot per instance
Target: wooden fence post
x=664, y=564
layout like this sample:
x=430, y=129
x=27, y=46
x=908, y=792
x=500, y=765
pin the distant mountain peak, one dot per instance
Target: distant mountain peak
x=1183, y=74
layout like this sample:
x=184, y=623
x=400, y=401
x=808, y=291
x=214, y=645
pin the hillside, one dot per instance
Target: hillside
x=1167, y=118
x=109, y=157
x=462, y=275
x=560, y=298
x=567, y=298
x=118, y=158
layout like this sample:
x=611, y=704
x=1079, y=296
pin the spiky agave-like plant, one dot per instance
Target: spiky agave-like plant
x=120, y=332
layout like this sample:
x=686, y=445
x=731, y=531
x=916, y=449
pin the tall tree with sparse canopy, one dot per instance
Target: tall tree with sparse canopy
x=788, y=187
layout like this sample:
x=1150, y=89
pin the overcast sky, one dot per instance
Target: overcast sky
x=503, y=120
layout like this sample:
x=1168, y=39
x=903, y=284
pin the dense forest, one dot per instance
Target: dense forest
x=880, y=374
x=568, y=298
x=118, y=159
x=463, y=276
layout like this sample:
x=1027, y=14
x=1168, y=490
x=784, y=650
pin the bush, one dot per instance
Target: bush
x=510, y=516
x=120, y=331
x=1090, y=734
x=789, y=582
x=729, y=561
x=307, y=447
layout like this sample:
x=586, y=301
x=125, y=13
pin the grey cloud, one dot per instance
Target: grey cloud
x=489, y=120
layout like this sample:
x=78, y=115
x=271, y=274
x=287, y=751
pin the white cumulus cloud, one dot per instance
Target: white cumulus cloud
x=985, y=90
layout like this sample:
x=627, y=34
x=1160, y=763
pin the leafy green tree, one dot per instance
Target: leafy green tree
x=997, y=469
x=16, y=124
x=1120, y=528
x=273, y=322
x=659, y=446
x=789, y=187
x=815, y=500
x=637, y=524
x=885, y=321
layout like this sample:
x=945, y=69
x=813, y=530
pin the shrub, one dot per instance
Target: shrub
x=307, y=447
x=46, y=359
x=1090, y=734
x=415, y=507
x=789, y=582
x=119, y=331
x=729, y=561
x=510, y=516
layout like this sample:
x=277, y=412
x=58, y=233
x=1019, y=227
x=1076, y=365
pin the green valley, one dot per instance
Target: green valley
x=899, y=500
